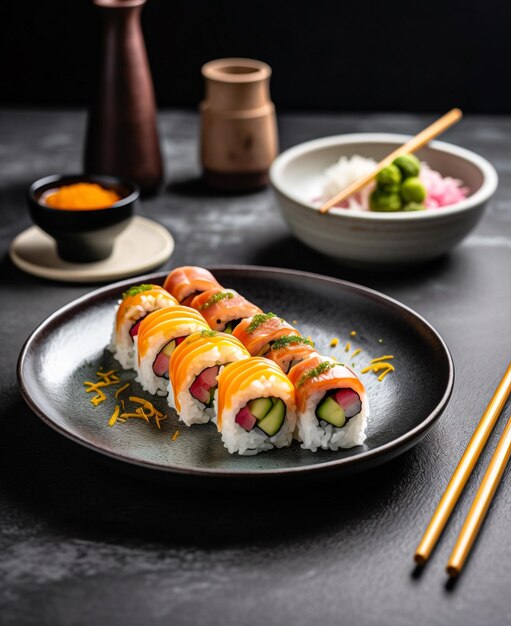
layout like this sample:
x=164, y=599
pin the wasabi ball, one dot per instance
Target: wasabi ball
x=389, y=178
x=385, y=201
x=413, y=190
x=409, y=165
x=414, y=206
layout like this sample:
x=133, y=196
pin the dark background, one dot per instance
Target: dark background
x=338, y=56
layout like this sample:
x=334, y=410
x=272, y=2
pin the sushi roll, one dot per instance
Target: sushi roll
x=186, y=282
x=159, y=334
x=136, y=303
x=256, y=406
x=194, y=367
x=289, y=350
x=258, y=333
x=332, y=408
x=223, y=309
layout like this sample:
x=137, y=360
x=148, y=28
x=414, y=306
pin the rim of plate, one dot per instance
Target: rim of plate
x=364, y=456
x=487, y=189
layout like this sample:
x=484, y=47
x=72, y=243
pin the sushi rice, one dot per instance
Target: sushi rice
x=237, y=439
x=192, y=410
x=159, y=385
x=316, y=434
x=122, y=345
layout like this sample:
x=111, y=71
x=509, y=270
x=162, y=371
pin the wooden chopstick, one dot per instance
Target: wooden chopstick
x=464, y=469
x=415, y=143
x=481, y=503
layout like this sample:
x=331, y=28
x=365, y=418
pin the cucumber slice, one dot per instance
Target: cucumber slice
x=273, y=420
x=169, y=348
x=331, y=412
x=211, y=401
x=260, y=407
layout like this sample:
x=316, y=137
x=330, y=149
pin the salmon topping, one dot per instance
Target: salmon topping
x=184, y=282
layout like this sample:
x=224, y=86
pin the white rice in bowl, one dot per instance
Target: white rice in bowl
x=345, y=172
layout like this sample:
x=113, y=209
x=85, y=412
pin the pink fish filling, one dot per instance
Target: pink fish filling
x=349, y=400
x=245, y=418
x=161, y=362
x=134, y=328
x=204, y=384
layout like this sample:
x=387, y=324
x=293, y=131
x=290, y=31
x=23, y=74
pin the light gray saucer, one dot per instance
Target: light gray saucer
x=143, y=246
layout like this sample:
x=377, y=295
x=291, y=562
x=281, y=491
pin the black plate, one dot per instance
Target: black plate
x=69, y=347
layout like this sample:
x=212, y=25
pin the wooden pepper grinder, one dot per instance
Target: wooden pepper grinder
x=122, y=136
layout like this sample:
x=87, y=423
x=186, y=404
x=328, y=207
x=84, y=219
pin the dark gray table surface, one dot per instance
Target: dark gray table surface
x=83, y=544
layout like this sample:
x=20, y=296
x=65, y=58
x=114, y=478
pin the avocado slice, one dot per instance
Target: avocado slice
x=273, y=420
x=260, y=407
x=169, y=348
x=331, y=412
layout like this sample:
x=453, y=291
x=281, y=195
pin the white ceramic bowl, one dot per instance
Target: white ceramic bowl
x=370, y=238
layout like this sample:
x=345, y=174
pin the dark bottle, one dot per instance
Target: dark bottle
x=122, y=136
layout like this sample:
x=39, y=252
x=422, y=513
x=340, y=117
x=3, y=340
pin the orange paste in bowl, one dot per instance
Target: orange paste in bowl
x=81, y=197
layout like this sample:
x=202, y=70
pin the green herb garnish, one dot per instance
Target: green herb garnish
x=288, y=340
x=259, y=319
x=208, y=333
x=216, y=297
x=203, y=333
x=133, y=291
x=316, y=371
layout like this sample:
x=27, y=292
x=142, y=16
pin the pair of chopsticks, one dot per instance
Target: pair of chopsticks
x=415, y=143
x=486, y=491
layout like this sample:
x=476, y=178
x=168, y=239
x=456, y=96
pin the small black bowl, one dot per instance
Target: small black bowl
x=83, y=236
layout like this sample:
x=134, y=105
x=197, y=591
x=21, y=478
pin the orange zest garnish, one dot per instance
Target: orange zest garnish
x=377, y=365
x=159, y=419
x=107, y=379
x=120, y=390
x=386, y=357
x=114, y=417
